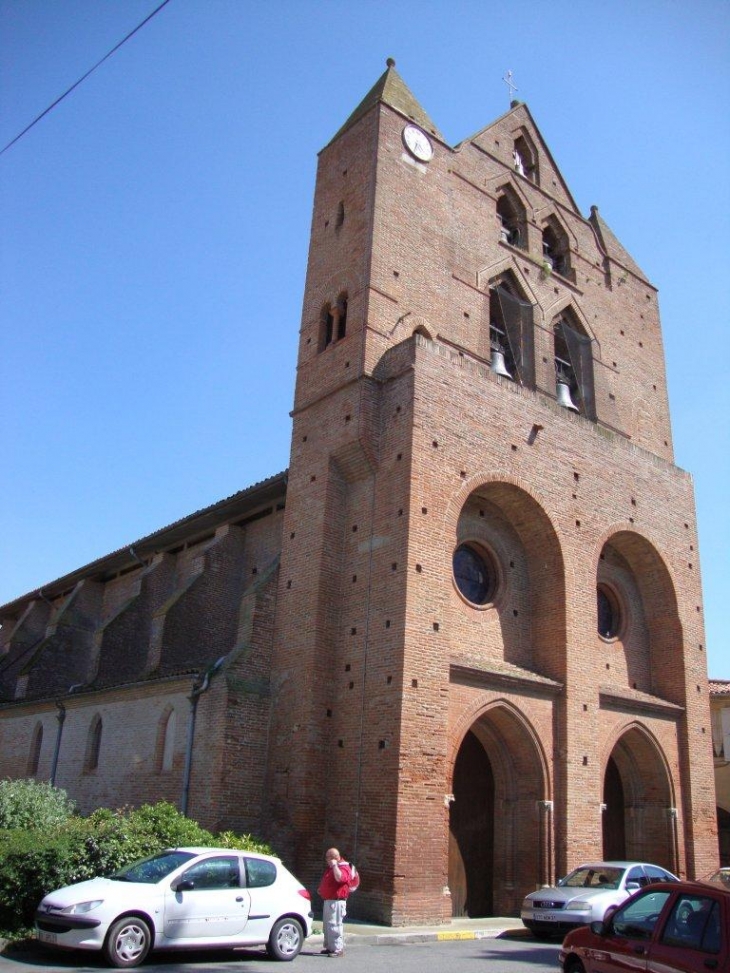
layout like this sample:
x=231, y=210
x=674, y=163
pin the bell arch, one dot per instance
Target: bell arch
x=556, y=254
x=511, y=329
x=639, y=816
x=511, y=217
x=499, y=837
x=573, y=359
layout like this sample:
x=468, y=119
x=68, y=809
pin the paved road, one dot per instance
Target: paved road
x=481, y=956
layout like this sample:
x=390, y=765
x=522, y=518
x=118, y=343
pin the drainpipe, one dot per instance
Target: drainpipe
x=673, y=815
x=194, y=696
x=60, y=716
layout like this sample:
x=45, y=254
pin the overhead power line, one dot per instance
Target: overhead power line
x=85, y=76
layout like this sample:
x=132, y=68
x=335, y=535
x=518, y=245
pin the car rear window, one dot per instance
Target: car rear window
x=694, y=923
x=259, y=873
x=656, y=874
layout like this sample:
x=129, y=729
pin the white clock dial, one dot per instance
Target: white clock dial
x=417, y=143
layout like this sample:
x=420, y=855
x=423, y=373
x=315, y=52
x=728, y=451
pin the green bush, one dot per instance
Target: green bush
x=33, y=804
x=33, y=864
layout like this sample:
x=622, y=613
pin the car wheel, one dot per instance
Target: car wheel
x=574, y=965
x=286, y=939
x=128, y=941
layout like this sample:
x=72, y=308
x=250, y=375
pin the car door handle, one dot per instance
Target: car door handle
x=239, y=898
x=639, y=950
x=711, y=964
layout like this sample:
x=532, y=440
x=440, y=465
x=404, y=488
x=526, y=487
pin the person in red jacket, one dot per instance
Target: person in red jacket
x=334, y=889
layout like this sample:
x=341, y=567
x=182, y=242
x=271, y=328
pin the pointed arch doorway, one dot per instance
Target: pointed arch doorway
x=471, y=832
x=499, y=838
x=639, y=819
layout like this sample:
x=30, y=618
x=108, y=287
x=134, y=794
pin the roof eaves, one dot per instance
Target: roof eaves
x=206, y=519
x=180, y=676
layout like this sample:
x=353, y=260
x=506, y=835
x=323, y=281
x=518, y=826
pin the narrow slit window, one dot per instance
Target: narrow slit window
x=341, y=316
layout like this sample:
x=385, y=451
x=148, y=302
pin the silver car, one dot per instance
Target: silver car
x=587, y=894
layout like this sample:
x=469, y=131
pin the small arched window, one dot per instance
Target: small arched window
x=93, y=744
x=511, y=218
x=333, y=322
x=556, y=249
x=36, y=744
x=525, y=158
x=326, y=327
x=166, y=741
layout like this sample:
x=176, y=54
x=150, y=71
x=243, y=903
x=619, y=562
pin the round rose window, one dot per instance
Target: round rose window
x=474, y=574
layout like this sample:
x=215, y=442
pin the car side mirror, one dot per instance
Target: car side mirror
x=184, y=885
x=633, y=886
x=599, y=928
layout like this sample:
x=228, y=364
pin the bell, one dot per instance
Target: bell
x=497, y=364
x=564, y=398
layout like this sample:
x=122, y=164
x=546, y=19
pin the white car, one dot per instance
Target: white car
x=182, y=898
x=587, y=894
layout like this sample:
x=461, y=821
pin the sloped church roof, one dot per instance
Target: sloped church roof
x=390, y=89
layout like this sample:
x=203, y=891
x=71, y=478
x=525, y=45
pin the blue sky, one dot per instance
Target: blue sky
x=155, y=228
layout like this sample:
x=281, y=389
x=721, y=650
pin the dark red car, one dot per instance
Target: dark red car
x=677, y=927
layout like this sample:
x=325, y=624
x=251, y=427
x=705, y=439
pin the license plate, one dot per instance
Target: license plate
x=47, y=937
x=549, y=917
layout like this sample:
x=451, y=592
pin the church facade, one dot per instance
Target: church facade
x=462, y=636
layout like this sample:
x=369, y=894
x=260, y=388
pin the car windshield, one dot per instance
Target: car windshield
x=593, y=877
x=154, y=869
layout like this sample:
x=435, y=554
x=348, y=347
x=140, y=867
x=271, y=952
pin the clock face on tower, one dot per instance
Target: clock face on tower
x=417, y=143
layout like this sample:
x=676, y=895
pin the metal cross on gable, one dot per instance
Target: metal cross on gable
x=511, y=85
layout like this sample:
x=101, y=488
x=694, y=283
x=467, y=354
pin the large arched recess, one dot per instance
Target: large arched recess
x=512, y=502
x=661, y=614
x=639, y=817
x=499, y=829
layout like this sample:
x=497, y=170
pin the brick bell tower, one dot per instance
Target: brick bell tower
x=488, y=650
